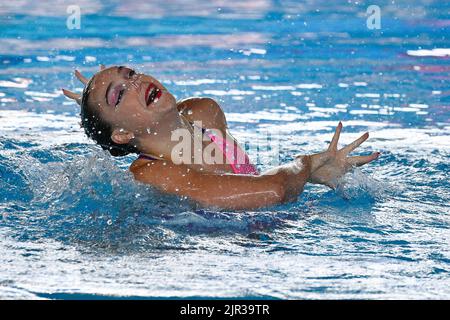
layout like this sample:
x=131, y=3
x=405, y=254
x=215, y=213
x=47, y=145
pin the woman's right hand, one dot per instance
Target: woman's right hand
x=328, y=166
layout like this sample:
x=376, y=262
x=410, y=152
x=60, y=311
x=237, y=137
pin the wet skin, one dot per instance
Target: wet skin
x=122, y=98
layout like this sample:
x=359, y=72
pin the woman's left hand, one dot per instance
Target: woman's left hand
x=338, y=162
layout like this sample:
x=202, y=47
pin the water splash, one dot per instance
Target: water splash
x=79, y=194
x=358, y=185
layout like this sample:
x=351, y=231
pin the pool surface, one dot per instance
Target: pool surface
x=74, y=224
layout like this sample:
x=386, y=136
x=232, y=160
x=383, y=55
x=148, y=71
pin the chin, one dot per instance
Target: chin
x=167, y=102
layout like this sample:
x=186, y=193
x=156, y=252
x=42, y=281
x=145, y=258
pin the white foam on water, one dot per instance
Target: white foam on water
x=437, y=52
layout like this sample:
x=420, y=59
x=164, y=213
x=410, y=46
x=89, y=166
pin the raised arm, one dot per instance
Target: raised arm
x=232, y=191
x=228, y=191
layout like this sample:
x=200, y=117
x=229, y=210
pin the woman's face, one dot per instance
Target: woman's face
x=133, y=102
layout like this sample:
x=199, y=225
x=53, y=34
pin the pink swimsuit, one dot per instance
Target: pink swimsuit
x=236, y=157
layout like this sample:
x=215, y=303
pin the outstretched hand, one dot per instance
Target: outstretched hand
x=327, y=167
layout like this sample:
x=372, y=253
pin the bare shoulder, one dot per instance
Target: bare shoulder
x=203, y=109
x=198, y=102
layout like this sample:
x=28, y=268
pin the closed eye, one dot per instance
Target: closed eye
x=119, y=97
x=115, y=95
x=131, y=73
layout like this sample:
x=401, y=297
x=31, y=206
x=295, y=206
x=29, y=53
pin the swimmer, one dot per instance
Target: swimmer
x=127, y=112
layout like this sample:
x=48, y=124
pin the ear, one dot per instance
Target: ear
x=121, y=136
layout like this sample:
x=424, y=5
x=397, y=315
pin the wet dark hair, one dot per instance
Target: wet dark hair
x=98, y=129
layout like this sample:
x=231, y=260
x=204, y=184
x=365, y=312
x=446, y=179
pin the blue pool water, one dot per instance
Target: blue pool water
x=74, y=224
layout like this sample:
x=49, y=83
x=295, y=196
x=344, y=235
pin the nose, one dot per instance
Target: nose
x=136, y=82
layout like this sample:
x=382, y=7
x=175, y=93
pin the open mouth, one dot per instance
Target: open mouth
x=152, y=94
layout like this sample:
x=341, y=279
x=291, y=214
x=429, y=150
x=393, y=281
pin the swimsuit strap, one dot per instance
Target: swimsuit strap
x=237, y=158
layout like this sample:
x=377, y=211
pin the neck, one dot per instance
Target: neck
x=158, y=143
